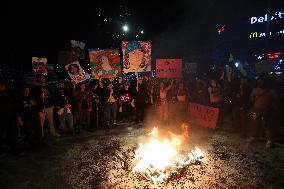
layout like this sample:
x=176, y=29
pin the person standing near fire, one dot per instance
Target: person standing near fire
x=265, y=103
x=44, y=100
x=163, y=103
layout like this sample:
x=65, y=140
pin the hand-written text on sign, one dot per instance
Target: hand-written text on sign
x=169, y=68
x=203, y=115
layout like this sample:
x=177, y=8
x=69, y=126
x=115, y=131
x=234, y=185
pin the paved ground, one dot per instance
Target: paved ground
x=100, y=159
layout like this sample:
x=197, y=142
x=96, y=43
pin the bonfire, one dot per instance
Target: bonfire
x=159, y=159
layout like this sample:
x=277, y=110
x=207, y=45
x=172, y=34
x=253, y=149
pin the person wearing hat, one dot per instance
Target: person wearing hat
x=134, y=61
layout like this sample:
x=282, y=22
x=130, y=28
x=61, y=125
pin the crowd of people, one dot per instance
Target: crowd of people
x=66, y=108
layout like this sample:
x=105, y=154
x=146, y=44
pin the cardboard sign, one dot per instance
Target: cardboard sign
x=105, y=63
x=190, y=68
x=136, y=56
x=75, y=72
x=169, y=68
x=39, y=65
x=77, y=49
x=203, y=115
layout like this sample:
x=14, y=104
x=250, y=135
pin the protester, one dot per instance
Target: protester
x=241, y=104
x=45, y=105
x=125, y=100
x=8, y=129
x=110, y=98
x=215, y=97
x=63, y=102
x=163, y=102
x=27, y=118
x=200, y=93
x=181, y=97
x=264, y=105
x=140, y=98
x=84, y=107
x=97, y=105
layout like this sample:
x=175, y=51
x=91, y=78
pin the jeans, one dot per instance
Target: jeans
x=110, y=113
x=47, y=115
x=66, y=121
x=126, y=111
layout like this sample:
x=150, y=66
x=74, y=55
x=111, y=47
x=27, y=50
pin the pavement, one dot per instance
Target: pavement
x=100, y=159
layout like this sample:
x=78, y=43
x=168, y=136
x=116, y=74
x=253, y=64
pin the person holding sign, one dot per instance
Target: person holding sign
x=164, y=106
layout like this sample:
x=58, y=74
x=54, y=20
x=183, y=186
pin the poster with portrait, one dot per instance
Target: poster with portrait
x=105, y=63
x=39, y=65
x=76, y=73
x=136, y=56
x=169, y=68
x=77, y=49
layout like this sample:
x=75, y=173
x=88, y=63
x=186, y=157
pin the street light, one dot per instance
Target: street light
x=125, y=28
x=142, y=31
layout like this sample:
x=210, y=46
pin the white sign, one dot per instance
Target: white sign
x=261, y=19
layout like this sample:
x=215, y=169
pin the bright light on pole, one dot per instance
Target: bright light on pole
x=142, y=31
x=125, y=28
x=237, y=64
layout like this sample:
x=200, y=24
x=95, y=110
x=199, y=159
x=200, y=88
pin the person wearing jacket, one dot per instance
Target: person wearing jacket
x=84, y=107
x=125, y=101
x=44, y=100
x=111, y=97
x=140, y=98
x=27, y=118
x=63, y=103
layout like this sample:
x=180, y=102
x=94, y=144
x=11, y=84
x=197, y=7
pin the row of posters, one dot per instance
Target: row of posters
x=106, y=63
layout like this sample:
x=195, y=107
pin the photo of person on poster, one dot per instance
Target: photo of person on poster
x=134, y=60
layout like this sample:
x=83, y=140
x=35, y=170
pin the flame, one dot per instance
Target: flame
x=158, y=159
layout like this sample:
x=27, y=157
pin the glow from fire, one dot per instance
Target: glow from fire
x=157, y=159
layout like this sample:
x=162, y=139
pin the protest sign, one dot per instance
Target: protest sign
x=136, y=56
x=75, y=72
x=39, y=65
x=203, y=115
x=77, y=49
x=105, y=63
x=169, y=68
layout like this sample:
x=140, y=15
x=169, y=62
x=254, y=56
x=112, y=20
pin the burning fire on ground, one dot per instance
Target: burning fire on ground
x=159, y=159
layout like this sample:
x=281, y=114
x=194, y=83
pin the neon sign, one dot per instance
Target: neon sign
x=263, y=34
x=266, y=17
x=273, y=55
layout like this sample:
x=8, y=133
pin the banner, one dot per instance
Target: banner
x=190, y=68
x=77, y=49
x=39, y=65
x=75, y=72
x=169, y=68
x=105, y=63
x=136, y=56
x=203, y=115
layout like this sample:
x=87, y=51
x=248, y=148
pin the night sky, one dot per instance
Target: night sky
x=181, y=28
